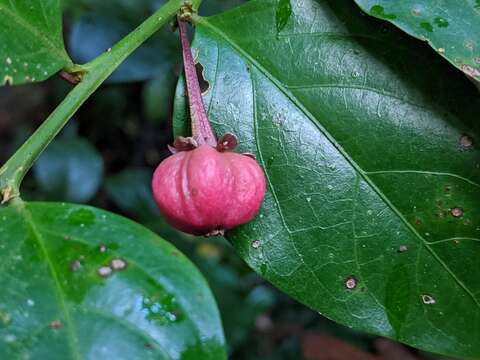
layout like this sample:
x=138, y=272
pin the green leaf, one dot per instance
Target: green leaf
x=451, y=28
x=213, y=7
x=284, y=11
x=69, y=170
x=60, y=298
x=372, y=214
x=31, y=42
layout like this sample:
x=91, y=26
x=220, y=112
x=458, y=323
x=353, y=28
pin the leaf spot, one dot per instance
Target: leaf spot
x=55, y=324
x=402, y=248
x=102, y=248
x=9, y=61
x=256, y=244
x=351, y=282
x=456, y=212
x=118, y=264
x=105, y=271
x=428, y=300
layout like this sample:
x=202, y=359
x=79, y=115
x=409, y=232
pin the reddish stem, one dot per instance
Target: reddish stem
x=201, y=129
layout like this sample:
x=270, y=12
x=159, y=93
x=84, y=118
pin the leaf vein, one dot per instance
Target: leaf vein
x=356, y=166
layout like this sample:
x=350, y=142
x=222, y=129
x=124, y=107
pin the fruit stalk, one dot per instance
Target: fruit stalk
x=202, y=132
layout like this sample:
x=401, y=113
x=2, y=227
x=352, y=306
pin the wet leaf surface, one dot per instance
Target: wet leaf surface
x=372, y=215
x=82, y=283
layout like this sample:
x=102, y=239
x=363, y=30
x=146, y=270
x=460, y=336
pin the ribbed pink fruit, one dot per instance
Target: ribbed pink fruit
x=203, y=190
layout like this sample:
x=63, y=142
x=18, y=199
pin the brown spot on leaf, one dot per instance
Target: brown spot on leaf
x=351, y=282
x=55, y=324
x=456, y=212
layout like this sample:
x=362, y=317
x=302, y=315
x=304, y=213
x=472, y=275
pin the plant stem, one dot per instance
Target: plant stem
x=201, y=130
x=15, y=169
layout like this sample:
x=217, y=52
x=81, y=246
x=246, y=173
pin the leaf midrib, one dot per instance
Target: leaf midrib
x=57, y=286
x=277, y=202
x=131, y=262
x=331, y=139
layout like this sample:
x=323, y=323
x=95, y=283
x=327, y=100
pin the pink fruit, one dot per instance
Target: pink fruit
x=204, y=188
x=204, y=191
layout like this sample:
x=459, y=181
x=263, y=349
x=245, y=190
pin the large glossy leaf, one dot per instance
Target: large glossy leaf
x=452, y=28
x=370, y=146
x=82, y=283
x=31, y=42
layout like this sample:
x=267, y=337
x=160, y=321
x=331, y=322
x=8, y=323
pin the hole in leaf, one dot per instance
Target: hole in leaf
x=204, y=84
